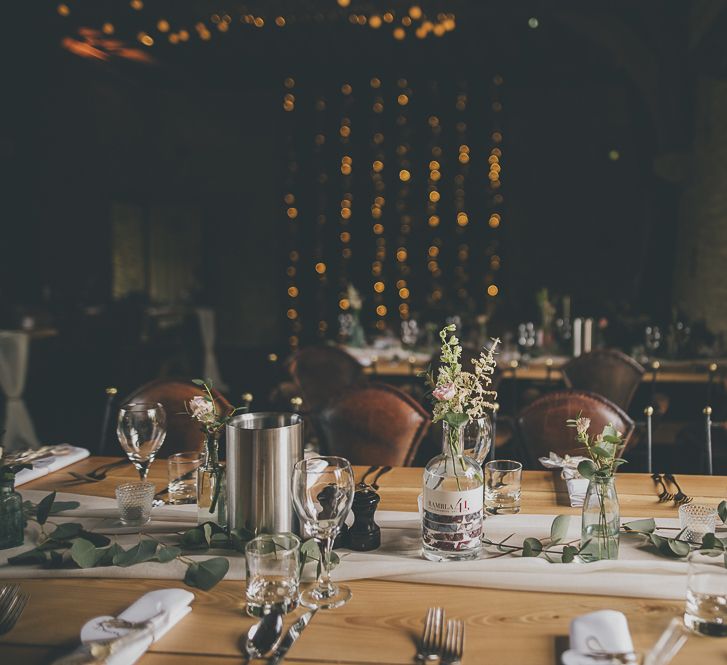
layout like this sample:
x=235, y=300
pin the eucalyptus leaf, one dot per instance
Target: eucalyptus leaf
x=44, y=508
x=679, y=547
x=194, y=539
x=206, y=574
x=587, y=468
x=600, y=451
x=141, y=552
x=66, y=531
x=532, y=547
x=711, y=542
x=569, y=554
x=63, y=506
x=722, y=511
x=84, y=553
x=559, y=528
x=98, y=539
x=56, y=560
x=29, y=558
x=108, y=554
x=657, y=541
x=166, y=554
x=643, y=526
x=198, y=382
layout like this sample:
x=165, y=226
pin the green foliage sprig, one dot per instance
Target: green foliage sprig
x=535, y=547
x=603, y=449
x=70, y=545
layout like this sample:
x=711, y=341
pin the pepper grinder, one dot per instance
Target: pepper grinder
x=364, y=535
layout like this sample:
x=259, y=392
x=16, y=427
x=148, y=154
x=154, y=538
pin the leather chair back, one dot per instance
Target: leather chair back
x=607, y=372
x=542, y=424
x=322, y=372
x=183, y=433
x=374, y=424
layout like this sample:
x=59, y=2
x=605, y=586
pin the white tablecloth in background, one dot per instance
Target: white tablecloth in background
x=18, y=426
x=638, y=573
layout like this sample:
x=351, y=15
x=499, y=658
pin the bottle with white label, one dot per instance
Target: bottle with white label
x=452, y=502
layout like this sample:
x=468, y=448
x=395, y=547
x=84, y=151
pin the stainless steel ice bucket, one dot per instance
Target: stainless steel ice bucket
x=262, y=449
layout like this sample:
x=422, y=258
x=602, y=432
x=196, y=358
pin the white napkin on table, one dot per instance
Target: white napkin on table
x=605, y=631
x=66, y=456
x=577, y=484
x=167, y=606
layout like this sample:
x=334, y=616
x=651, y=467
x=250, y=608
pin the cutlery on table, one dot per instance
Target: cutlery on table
x=12, y=603
x=679, y=497
x=291, y=636
x=453, y=648
x=432, y=640
x=375, y=482
x=99, y=473
x=263, y=636
x=665, y=495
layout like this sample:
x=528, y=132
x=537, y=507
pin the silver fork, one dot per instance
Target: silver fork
x=12, y=604
x=453, y=650
x=433, y=635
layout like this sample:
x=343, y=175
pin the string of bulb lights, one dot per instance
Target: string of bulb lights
x=377, y=127
x=413, y=21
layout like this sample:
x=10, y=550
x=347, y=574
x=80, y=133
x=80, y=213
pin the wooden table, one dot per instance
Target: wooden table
x=381, y=623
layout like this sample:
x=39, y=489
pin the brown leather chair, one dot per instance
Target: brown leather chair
x=322, y=372
x=374, y=424
x=542, y=424
x=607, y=372
x=183, y=433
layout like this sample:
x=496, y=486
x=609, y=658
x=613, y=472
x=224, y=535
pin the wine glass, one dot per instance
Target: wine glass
x=141, y=429
x=323, y=490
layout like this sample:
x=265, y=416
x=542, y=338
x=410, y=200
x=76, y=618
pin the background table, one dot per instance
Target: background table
x=383, y=620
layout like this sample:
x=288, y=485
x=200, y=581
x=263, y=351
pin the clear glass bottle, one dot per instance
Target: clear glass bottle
x=211, y=485
x=12, y=521
x=477, y=438
x=452, y=502
x=601, y=520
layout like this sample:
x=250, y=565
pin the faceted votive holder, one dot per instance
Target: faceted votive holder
x=697, y=520
x=135, y=502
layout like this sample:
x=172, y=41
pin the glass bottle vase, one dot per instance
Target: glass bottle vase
x=452, y=502
x=12, y=521
x=601, y=520
x=477, y=438
x=211, y=485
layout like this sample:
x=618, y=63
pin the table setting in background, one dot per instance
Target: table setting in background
x=305, y=544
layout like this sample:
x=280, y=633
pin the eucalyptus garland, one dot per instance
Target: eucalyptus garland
x=69, y=545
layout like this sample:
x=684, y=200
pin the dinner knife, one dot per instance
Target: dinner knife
x=291, y=636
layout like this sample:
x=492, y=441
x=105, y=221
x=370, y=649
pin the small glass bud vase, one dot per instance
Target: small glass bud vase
x=211, y=485
x=12, y=521
x=452, y=502
x=601, y=520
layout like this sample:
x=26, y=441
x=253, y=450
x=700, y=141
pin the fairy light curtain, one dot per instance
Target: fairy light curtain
x=393, y=185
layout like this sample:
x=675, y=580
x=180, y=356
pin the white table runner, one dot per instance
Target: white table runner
x=637, y=573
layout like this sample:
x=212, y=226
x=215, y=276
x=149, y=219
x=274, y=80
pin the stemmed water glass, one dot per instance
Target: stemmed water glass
x=323, y=489
x=141, y=429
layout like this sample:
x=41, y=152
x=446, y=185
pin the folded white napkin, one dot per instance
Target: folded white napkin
x=577, y=485
x=65, y=456
x=577, y=490
x=165, y=608
x=605, y=631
